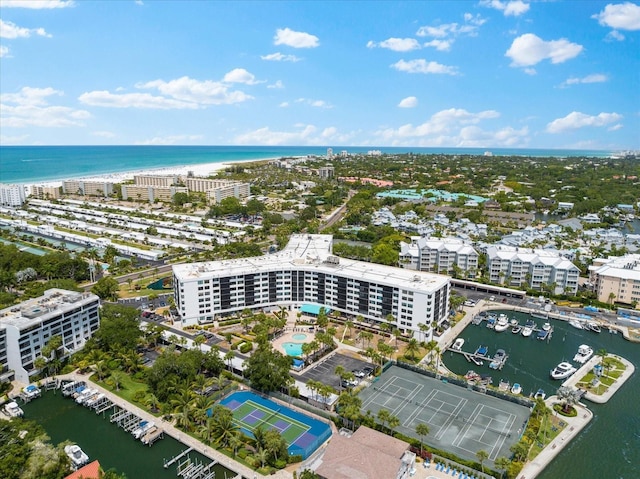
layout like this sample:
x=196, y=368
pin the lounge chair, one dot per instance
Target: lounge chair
x=448, y=469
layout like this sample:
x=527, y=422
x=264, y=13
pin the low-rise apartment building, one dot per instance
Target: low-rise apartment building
x=306, y=271
x=42, y=192
x=151, y=194
x=532, y=268
x=155, y=180
x=439, y=255
x=87, y=188
x=617, y=279
x=27, y=327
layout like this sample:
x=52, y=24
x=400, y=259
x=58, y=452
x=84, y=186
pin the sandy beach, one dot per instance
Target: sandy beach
x=200, y=170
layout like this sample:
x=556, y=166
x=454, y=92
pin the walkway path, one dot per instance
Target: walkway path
x=178, y=434
x=574, y=425
x=611, y=390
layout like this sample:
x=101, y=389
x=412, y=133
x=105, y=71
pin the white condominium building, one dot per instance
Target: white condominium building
x=617, y=279
x=27, y=327
x=533, y=268
x=87, y=188
x=12, y=195
x=306, y=272
x=237, y=190
x=155, y=180
x=439, y=255
x=151, y=193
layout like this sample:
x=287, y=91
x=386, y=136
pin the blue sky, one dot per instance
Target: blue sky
x=486, y=73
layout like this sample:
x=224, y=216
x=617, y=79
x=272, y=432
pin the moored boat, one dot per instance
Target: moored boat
x=77, y=455
x=516, y=388
x=12, y=409
x=482, y=351
x=546, y=326
x=562, y=370
x=502, y=324
x=498, y=359
x=457, y=345
x=516, y=329
x=583, y=354
x=576, y=323
x=595, y=327
x=528, y=328
x=543, y=334
x=504, y=385
x=540, y=394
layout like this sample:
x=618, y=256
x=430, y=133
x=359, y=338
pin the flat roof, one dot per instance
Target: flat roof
x=312, y=253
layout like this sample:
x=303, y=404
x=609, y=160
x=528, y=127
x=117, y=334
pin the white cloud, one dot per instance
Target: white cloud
x=277, y=85
x=441, y=45
x=513, y=8
x=280, y=57
x=396, y=44
x=104, y=134
x=196, y=93
x=315, y=103
x=240, y=75
x=36, y=4
x=11, y=30
x=576, y=119
x=409, y=102
x=530, y=71
x=621, y=16
x=529, y=49
x=615, y=35
x=454, y=127
x=107, y=99
x=284, y=104
x=4, y=51
x=593, y=78
x=170, y=140
x=291, y=38
x=304, y=135
x=423, y=66
x=615, y=127
x=13, y=139
x=30, y=107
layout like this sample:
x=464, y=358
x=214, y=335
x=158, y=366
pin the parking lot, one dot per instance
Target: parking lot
x=325, y=370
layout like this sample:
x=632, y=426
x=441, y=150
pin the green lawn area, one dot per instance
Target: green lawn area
x=552, y=428
x=128, y=387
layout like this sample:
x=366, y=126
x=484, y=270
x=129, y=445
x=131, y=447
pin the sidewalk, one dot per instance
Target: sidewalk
x=574, y=426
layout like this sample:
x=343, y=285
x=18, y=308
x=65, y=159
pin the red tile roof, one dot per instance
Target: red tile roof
x=90, y=471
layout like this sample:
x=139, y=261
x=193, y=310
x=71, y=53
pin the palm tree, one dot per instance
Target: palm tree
x=235, y=441
x=502, y=463
x=412, y=348
x=367, y=336
x=394, y=422
x=199, y=340
x=384, y=416
x=340, y=372
x=182, y=408
x=117, y=378
x=101, y=370
x=224, y=427
x=262, y=455
x=397, y=334
x=482, y=456
x=152, y=402
x=602, y=353
x=423, y=329
x=421, y=430
x=228, y=357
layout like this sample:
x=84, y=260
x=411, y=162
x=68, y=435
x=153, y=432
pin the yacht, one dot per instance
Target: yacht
x=94, y=400
x=482, y=351
x=540, y=394
x=595, y=327
x=516, y=388
x=516, y=329
x=502, y=324
x=85, y=395
x=77, y=455
x=563, y=370
x=528, y=328
x=546, y=326
x=576, y=323
x=458, y=344
x=12, y=409
x=543, y=334
x=583, y=354
x=142, y=430
x=498, y=359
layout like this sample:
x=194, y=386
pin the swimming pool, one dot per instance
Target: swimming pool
x=299, y=337
x=293, y=349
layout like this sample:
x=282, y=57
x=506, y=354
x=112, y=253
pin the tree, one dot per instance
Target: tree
x=413, y=347
x=199, y=340
x=267, y=369
x=223, y=426
x=383, y=416
x=119, y=328
x=502, y=463
x=568, y=397
x=106, y=288
x=482, y=456
x=602, y=354
x=422, y=430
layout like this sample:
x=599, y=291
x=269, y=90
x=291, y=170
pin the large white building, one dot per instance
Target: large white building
x=12, y=195
x=439, y=255
x=307, y=272
x=534, y=268
x=617, y=279
x=27, y=327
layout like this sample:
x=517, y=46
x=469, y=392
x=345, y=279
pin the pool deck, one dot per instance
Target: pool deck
x=288, y=337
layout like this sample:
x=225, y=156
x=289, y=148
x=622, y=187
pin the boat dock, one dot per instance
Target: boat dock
x=470, y=356
x=195, y=470
x=177, y=458
x=151, y=436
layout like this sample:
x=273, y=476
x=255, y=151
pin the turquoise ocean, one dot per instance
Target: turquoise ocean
x=29, y=164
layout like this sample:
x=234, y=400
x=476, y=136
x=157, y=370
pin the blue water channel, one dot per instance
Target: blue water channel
x=64, y=420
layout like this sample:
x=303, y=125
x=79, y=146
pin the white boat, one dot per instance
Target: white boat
x=516, y=388
x=77, y=455
x=498, y=359
x=583, y=354
x=504, y=385
x=540, y=394
x=458, y=344
x=595, y=327
x=12, y=409
x=142, y=429
x=30, y=392
x=84, y=395
x=502, y=324
x=526, y=331
x=546, y=326
x=563, y=370
x=576, y=323
x=90, y=402
x=516, y=329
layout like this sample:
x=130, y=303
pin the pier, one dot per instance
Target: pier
x=470, y=358
x=177, y=458
x=195, y=470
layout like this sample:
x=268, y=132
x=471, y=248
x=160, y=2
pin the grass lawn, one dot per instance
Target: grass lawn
x=128, y=387
x=551, y=429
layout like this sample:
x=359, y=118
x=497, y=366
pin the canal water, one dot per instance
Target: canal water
x=609, y=447
x=63, y=420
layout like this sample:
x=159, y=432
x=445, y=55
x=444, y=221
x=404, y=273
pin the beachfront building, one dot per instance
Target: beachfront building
x=366, y=453
x=617, y=279
x=28, y=327
x=538, y=269
x=87, y=188
x=43, y=192
x=151, y=194
x=439, y=255
x=155, y=180
x=12, y=195
x=235, y=189
x=304, y=272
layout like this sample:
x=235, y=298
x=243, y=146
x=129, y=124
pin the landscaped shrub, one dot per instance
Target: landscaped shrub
x=139, y=396
x=245, y=347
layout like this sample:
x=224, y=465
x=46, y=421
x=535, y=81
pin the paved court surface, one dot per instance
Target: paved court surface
x=324, y=371
x=460, y=420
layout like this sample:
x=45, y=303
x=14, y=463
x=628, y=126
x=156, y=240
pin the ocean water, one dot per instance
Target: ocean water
x=28, y=164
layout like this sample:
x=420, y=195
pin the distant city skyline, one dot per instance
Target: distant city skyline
x=478, y=74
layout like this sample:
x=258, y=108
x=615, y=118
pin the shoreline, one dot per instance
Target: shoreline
x=198, y=169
